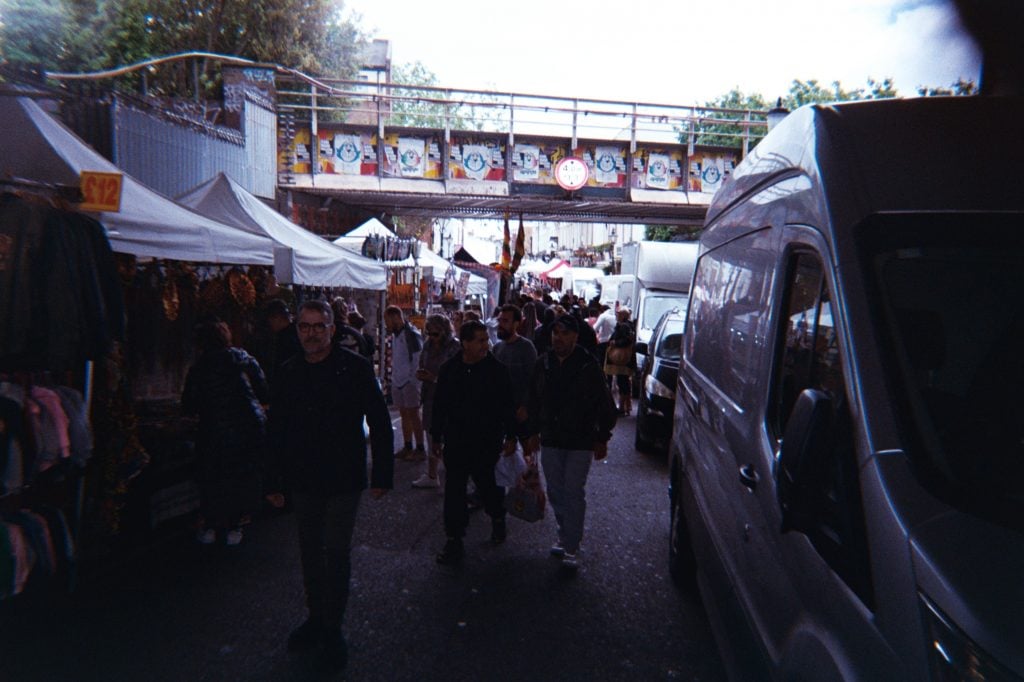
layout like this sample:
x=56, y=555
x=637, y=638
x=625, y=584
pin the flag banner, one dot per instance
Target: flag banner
x=475, y=161
x=528, y=162
x=506, y=248
x=410, y=157
x=657, y=171
x=348, y=154
x=520, y=251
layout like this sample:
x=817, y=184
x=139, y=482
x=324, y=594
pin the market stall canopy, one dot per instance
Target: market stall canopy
x=558, y=270
x=301, y=256
x=353, y=241
x=37, y=147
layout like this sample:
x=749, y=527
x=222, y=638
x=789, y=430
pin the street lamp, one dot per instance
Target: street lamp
x=776, y=114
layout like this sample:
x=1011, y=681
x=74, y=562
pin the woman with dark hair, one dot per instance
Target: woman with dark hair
x=439, y=347
x=226, y=388
x=358, y=322
x=528, y=325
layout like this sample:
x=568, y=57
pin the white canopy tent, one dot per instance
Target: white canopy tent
x=37, y=147
x=300, y=257
x=353, y=241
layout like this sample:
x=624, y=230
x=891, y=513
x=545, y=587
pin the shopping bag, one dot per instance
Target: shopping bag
x=508, y=469
x=526, y=499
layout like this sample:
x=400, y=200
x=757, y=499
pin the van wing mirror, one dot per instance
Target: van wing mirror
x=640, y=347
x=802, y=459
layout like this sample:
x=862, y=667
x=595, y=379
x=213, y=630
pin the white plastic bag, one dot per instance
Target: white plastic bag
x=508, y=469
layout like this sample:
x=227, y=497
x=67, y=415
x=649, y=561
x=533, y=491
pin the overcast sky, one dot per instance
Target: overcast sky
x=673, y=51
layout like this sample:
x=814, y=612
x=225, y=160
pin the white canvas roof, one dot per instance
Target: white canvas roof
x=35, y=146
x=301, y=256
x=353, y=241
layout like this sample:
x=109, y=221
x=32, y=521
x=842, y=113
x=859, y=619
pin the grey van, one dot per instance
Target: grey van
x=847, y=457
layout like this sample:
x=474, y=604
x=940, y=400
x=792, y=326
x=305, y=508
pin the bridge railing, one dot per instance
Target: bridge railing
x=422, y=106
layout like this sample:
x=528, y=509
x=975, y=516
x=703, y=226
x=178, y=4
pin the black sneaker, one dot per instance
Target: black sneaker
x=306, y=636
x=334, y=655
x=452, y=552
x=499, y=531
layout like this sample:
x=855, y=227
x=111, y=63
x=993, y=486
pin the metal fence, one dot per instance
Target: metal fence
x=172, y=154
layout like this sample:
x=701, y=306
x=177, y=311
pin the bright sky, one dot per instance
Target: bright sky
x=673, y=51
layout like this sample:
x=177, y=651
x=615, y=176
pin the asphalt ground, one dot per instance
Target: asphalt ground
x=177, y=611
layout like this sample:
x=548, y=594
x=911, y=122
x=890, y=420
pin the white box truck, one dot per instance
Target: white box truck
x=661, y=274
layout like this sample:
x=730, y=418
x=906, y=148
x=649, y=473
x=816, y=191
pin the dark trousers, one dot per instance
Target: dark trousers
x=602, y=351
x=325, y=541
x=459, y=468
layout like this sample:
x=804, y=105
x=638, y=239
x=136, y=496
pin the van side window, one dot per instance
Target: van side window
x=809, y=357
x=725, y=333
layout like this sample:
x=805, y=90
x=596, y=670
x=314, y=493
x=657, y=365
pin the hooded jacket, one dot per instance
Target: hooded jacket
x=569, y=403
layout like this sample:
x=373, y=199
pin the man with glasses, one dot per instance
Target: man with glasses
x=316, y=427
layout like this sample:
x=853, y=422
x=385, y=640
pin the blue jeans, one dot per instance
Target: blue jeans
x=566, y=474
x=325, y=525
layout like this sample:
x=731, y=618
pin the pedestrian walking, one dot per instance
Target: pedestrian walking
x=473, y=424
x=570, y=418
x=439, y=348
x=516, y=353
x=226, y=389
x=318, y=407
x=620, y=359
x=406, y=345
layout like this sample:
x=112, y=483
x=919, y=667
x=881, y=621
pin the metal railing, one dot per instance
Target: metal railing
x=389, y=105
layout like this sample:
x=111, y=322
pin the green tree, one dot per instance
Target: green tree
x=671, y=233
x=960, y=88
x=465, y=111
x=314, y=36
x=800, y=93
x=32, y=32
x=726, y=134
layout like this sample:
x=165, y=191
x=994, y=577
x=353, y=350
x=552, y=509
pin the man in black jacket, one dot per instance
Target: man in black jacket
x=571, y=417
x=473, y=424
x=317, y=408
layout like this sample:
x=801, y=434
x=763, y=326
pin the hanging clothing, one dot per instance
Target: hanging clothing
x=60, y=296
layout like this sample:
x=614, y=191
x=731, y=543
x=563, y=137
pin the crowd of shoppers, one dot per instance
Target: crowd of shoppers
x=299, y=433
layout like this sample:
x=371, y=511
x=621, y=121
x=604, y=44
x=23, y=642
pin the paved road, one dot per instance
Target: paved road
x=181, y=613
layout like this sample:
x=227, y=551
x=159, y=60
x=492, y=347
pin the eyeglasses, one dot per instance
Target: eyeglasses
x=306, y=327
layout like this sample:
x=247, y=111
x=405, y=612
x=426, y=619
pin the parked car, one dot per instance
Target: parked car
x=658, y=382
x=848, y=441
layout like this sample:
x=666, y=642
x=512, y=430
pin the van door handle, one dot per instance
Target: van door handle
x=748, y=476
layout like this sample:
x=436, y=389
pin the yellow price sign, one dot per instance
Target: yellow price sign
x=102, y=191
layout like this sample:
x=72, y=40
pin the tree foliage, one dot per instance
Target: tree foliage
x=671, y=233
x=466, y=111
x=800, y=93
x=314, y=36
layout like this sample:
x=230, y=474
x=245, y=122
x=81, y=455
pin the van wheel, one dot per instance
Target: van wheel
x=682, y=564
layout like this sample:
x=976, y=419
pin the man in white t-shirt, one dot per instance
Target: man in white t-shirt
x=603, y=329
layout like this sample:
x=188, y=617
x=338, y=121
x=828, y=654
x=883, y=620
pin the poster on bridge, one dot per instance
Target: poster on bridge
x=657, y=171
x=411, y=160
x=348, y=154
x=476, y=161
x=526, y=162
x=607, y=161
x=711, y=173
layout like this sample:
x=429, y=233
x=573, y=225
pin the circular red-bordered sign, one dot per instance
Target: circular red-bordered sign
x=571, y=173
